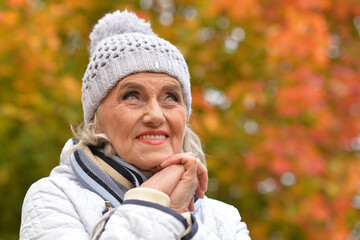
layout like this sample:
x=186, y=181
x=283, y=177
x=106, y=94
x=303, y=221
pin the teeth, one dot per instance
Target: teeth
x=160, y=136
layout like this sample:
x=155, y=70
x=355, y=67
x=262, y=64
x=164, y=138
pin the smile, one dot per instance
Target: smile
x=153, y=137
x=147, y=137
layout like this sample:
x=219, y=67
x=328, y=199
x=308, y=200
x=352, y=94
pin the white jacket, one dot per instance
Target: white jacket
x=58, y=207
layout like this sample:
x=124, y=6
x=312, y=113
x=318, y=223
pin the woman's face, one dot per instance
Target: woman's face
x=144, y=117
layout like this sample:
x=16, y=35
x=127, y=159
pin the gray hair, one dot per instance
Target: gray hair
x=88, y=134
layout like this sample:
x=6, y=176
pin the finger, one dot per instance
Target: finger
x=173, y=172
x=171, y=161
x=176, y=159
x=156, y=169
x=201, y=171
x=192, y=205
x=199, y=192
x=166, y=179
x=189, y=153
x=203, y=177
x=194, y=168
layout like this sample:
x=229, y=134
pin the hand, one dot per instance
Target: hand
x=166, y=179
x=194, y=180
x=188, y=160
x=180, y=176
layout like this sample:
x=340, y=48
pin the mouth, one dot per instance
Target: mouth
x=153, y=137
x=148, y=136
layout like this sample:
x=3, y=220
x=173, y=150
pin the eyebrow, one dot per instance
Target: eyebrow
x=171, y=87
x=132, y=85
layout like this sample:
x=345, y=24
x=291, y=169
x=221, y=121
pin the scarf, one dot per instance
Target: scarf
x=110, y=177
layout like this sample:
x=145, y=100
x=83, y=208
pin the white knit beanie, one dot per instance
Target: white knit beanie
x=122, y=44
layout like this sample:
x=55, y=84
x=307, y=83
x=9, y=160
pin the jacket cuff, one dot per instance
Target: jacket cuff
x=149, y=195
x=187, y=216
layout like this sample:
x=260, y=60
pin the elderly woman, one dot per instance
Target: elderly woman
x=135, y=170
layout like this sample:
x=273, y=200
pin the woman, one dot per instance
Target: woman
x=135, y=169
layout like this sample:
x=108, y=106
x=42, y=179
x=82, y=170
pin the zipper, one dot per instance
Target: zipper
x=107, y=207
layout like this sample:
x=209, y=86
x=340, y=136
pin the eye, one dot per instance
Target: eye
x=132, y=95
x=172, y=97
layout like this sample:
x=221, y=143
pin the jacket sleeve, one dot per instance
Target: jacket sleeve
x=47, y=213
x=218, y=220
x=236, y=231
x=148, y=210
x=137, y=219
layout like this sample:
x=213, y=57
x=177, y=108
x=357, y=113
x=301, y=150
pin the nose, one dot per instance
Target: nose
x=153, y=115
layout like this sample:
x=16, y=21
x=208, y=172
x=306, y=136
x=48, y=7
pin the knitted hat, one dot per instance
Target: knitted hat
x=122, y=44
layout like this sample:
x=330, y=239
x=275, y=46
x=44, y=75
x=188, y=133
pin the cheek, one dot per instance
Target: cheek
x=122, y=126
x=120, y=134
x=178, y=123
x=114, y=121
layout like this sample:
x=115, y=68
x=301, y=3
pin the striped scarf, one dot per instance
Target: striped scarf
x=109, y=177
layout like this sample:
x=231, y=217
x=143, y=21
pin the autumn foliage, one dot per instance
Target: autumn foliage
x=276, y=101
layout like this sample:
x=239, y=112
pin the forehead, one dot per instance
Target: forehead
x=149, y=79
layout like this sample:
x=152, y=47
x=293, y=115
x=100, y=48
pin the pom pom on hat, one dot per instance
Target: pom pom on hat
x=118, y=23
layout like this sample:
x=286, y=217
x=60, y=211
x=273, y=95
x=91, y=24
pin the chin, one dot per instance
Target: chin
x=152, y=160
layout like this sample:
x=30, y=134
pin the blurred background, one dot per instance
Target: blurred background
x=276, y=101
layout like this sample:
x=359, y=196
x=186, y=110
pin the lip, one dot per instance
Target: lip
x=153, y=141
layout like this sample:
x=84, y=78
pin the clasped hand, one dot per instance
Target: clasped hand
x=180, y=177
